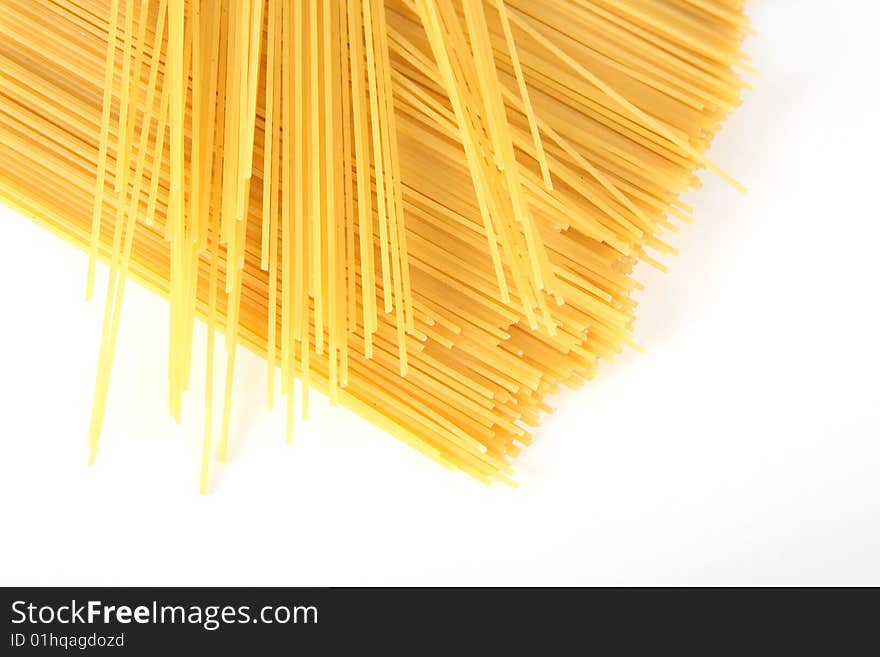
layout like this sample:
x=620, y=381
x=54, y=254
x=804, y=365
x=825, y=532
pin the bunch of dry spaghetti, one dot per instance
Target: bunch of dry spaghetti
x=427, y=209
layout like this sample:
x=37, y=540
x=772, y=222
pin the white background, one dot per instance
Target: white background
x=744, y=448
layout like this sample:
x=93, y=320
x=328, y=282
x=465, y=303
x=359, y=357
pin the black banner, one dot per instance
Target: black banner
x=329, y=621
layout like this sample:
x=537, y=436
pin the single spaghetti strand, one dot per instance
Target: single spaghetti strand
x=237, y=235
x=209, y=140
x=315, y=175
x=330, y=217
x=197, y=119
x=106, y=106
x=176, y=47
x=242, y=98
x=350, y=260
x=212, y=237
x=214, y=257
x=378, y=164
x=287, y=119
x=253, y=71
x=362, y=170
x=271, y=139
x=299, y=292
x=268, y=138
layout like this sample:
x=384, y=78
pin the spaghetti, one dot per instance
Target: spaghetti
x=430, y=210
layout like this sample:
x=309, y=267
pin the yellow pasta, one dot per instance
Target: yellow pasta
x=429, y=210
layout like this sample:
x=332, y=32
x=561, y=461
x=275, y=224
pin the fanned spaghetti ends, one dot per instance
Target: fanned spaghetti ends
x=428, y=210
